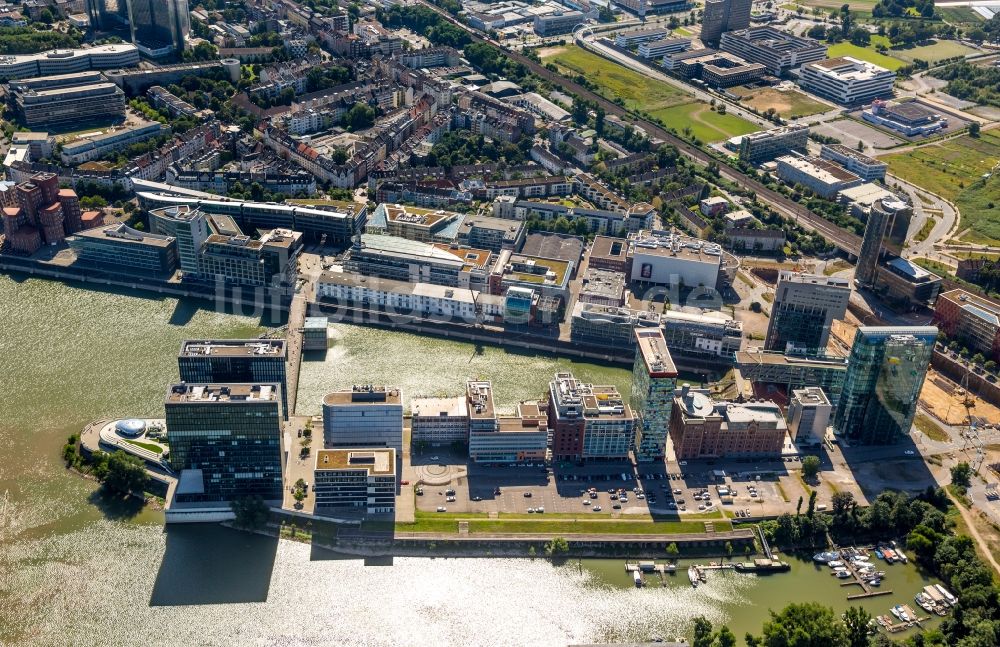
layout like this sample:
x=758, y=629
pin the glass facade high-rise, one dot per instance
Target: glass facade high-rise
x=229, y=436
x=190, y=228
x=654, y=379
x=885, y=373
x=107, y=14
x=805, y=306
x=235, y=360
x=159, y=26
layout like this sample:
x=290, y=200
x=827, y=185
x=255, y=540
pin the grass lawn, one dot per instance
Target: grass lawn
x=617, y=526
x=837, y=265
x=705, y=124
x=639, y=92
x=936, y=51
x=958, y=15
x=930, y=428
x=156, y=449
x=865, y=54
x=953, y=169
x=926, y=229
x=790, y=104
x=986, y=255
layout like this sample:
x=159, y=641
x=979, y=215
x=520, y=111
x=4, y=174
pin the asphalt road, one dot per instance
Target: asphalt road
x=845, y=240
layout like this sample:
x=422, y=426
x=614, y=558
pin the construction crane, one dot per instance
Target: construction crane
x=971, y=433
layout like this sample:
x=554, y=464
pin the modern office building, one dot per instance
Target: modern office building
x=888, y=222
x=643, y=8
x=867, y=168
x=708, y=336
x=636, y=37
x=90, y=147
x=776, y=50
x=809, y=412
x=159, y=27
x=664, y=258
x=654, y=378
x=225, y=440
x=885, y=373
x=361, y=480
x=67, y=61
x=235, y=361
x=392, y=257
x=767, y=371
x=766, y=145
x=544, y=276
x=38, y=211
x=558, y=23
x=971, y=319
x=270, y=261
x=608, y=327
x=660, y=48
x=719, y=69
x=503, y=440
x=701, y=427
x=822, y=177
x=414, y=223
x=423, y=300
x=904, y=284
x=315, y=333
x=911, y=118
x=805, y=306
x=847, y=81
x=69, y=99
x=603, y=287
x=494, y=234
x=364, y=416
x=723, y=15
x=189, y=226
x=439, y=421
x=120, y=248
x=588, y=422
x=107, y=14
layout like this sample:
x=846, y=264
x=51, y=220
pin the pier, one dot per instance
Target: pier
x=637, y=568
x=869, y=590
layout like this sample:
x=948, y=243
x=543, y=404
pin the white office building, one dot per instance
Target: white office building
x=847, y=81
x=439, y=421
x=809, y=412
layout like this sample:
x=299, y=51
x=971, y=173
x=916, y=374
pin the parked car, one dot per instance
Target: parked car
x=441, y=508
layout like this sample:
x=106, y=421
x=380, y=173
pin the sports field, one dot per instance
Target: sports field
x=954, y=170
x=790, y=104
x=677, y=108
x=936, y=51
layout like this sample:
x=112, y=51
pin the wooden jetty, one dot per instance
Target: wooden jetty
x=869, y=590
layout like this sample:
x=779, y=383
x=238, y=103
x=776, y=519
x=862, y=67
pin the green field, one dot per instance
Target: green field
x=675, y=107
x=958, y=15
x=937, y=51
x=638, y=91
x=865, y=54
x=705, y=124
x=953, y=170
x=790, y=104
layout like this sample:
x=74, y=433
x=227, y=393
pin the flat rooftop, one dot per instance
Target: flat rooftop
x=472, y=257
x=121, y=233
x=675, y=245
x=364, y=394
x=788, y=276
x=479, y=395
x=759, y=356
x=377, y=461
x=223, y=393
x=233, y=348
x=610, y=248
x=521, y=265
x=653, y=347
x=819, y=168
x=418, y=217
x=439, y=407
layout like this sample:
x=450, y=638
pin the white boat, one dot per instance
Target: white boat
x=637, y=576
x=949, y=598
x=925, y=602
x=825, y=557
x=693, y=575
x=842, y=574
x=835, y=563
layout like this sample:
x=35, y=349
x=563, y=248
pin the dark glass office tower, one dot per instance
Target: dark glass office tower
x=242, y=361
x=885, y=373
x=226, y=439
x=159, y=25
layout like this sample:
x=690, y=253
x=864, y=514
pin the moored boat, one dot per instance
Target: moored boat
x=825, y=557
x=693, y=575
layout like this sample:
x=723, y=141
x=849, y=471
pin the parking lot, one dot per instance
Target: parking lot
x=755, y=488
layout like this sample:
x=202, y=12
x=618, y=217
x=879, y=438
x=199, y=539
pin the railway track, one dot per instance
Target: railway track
x=844, y=240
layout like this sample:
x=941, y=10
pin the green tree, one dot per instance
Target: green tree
x=961, y=474
x=125, y=474
x=812, y=504
x=856, y=622
x=702, y=632
x=251, y=512
x=556, y=546
x=724, y=638
x=974, y=129
x=810, y=467
x=808, y=624
x=673, y=550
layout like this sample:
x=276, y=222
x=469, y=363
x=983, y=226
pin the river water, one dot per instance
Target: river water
x=78, y=570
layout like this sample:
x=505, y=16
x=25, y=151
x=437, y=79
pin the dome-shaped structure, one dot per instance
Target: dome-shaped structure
x=132, y=428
